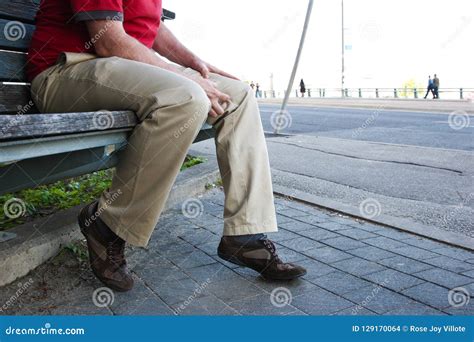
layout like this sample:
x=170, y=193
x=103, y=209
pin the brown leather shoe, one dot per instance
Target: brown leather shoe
x=106, y=251
x=259, y=255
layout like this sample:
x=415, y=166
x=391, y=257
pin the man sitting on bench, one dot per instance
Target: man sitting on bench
x=105, y=55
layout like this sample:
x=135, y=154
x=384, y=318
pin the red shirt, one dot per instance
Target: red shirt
x=60, y=27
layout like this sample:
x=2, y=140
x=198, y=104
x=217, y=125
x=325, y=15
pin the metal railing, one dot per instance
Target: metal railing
x=394, y=93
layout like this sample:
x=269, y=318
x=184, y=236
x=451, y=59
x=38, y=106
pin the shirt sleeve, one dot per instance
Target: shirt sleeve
x=97, y=10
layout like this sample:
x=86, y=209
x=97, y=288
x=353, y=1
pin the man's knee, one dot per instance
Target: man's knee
x=199, y=104
x=242, y=87
x=239, y=91
x=191, y=113
x=188, y=100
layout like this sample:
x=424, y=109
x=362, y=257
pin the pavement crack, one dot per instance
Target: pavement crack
x=460, y=173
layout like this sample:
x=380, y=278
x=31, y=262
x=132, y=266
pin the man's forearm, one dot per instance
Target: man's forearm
x=167, y=45
x=129, y=48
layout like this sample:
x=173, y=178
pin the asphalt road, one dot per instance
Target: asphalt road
x=414, y=165
x=387, y=126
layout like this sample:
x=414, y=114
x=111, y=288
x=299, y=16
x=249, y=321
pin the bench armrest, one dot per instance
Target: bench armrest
x=168, y=15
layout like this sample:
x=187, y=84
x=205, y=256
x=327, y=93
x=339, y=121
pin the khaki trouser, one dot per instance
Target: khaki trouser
x=171, y=110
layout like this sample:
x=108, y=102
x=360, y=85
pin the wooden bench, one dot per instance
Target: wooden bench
x=35, y=148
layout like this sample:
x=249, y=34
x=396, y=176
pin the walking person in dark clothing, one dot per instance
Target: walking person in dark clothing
x=257, y=92
x=435, y=87
x=302, y=88
x=430, y=87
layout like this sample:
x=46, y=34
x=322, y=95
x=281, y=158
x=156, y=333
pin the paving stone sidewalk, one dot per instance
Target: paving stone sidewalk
x=354, y=268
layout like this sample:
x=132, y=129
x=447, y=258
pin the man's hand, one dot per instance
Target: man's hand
x=167, y=45
x=205, y=69
x=219, y=100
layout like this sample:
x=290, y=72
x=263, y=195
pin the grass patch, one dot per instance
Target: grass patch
x=48, y=199
x=217, y=184
x=79, y=250
x=191, y=161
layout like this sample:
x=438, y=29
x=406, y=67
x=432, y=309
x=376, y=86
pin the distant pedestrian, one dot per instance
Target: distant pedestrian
x=302, y=88
x=436, y=87
x=252, y=85
x=430, y=88
x=257, y=91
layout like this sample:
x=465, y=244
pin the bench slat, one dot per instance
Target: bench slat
x=22, y=10
x=12, y=66
x=15, y=36
x=27, y=126
x=15, y=150
x=16, y=99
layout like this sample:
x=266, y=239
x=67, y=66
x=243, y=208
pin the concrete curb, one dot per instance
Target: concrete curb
x=444, y=107
x=402, y=224
x=38, y=241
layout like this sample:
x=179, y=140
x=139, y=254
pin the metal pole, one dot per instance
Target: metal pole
x=295, y=67
x=343, y=50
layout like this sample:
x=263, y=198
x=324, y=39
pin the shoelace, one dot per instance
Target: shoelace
x=271, y=247
x=115, y=253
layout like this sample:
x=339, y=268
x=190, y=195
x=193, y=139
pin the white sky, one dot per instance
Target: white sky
x=392, y=41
